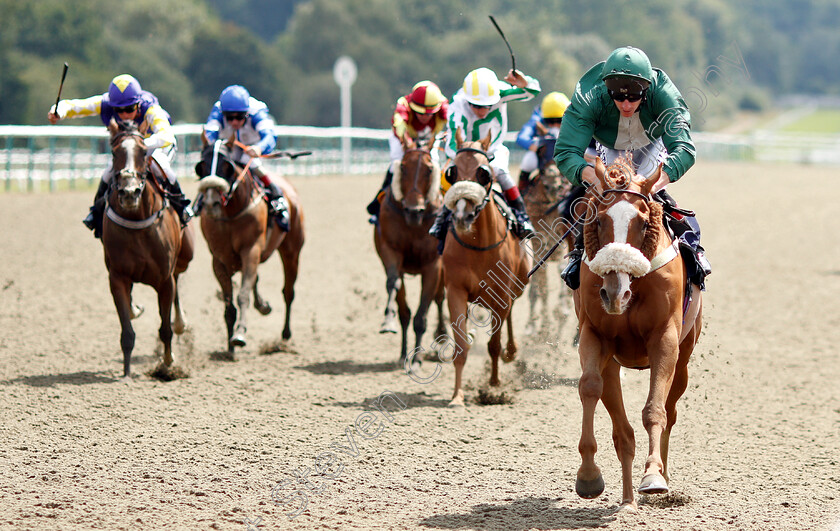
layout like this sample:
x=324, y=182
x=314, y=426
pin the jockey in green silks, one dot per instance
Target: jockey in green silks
x=633, y=109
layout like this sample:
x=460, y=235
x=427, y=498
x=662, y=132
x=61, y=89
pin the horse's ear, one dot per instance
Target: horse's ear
x=600, y=169
x=647, y=185
x=459, y=138
x=601, y=174
x=199, y=169
x=230, y=142
x=204, y=141
x=113, y=128
x=485, y=142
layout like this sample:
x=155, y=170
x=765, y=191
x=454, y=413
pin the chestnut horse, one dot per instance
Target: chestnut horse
x=541, y=195
x=483, y=261
x=235, y=223
x=143, y=241
x=405, y=246
x=635, y=312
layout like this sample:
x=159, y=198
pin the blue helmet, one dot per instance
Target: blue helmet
x=124, y=91
x=235, y=98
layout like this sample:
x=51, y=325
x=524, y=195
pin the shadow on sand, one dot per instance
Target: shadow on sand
x=73, y=378
x=523, y=514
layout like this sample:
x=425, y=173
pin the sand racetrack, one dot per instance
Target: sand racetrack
x=756, y=447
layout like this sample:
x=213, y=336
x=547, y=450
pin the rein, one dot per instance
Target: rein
x=240, y=177
x=144, y=177
x=477, y=211
x=391, y=200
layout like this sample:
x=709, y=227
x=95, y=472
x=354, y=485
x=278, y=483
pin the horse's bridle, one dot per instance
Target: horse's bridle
x=125, y=172
x=417, y=171
x=477, y=210
x=488, y=156
x=242, y=171
x=142, y=177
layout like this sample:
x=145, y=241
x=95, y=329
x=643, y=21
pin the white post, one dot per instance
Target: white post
x=344, y=73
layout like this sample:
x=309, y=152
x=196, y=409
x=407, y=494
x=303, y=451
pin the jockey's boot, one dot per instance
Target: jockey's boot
x=524, y=180
x=439, y=227
x=93, y=220
x=523, y=227
x=373, y=207
x=180, y=203
x=571, y=274
x=278, y=208
x=687, y=230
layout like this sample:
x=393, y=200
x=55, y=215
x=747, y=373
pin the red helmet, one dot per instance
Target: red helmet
x=425, y=98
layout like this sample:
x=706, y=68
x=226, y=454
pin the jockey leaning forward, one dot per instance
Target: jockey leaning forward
x=479, y=106
x=126, y=101
x=247, y=120
x=545, y=120
x=630, y=108
x=419, y=115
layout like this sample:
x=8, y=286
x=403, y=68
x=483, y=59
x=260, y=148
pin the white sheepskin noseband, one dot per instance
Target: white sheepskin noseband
x=472, y=192
x=620, y=258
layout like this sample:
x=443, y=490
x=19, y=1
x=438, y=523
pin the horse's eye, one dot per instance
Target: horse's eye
x=451, y=174
x=483, y=175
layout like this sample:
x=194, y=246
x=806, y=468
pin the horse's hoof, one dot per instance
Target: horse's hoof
x=471, y=335
x=136, y=310
x=264, y=308
x=388, y=328
x=653, y=484
x=590, y=488
x=508, y=355
x=628, y=507
x=457, y=399
x=238, y=341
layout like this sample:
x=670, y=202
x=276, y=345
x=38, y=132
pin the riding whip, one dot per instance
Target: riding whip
x=287, y=154
x=551, y=251
x=512, y=58
x=61, y=86
x=277, y=154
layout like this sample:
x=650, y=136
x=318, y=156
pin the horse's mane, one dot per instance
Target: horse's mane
x=592, y=244
x=121, y=129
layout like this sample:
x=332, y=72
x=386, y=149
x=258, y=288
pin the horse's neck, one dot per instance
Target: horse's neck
x=490, y=223
x=245, y=193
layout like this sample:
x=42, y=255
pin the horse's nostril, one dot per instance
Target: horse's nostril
x=604, y=296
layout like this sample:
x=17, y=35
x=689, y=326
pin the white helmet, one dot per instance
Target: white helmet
x=481, y=87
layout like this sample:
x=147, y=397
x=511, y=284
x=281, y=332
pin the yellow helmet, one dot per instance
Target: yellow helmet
x=554, y=105
x=481, y=87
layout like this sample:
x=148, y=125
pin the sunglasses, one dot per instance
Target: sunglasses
x=629, y=97
x=553, y=121
x=123, y=110
x=230, y=116
x=474, y=106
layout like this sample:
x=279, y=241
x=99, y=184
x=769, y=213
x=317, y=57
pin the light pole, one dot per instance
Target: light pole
x=344, y=73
